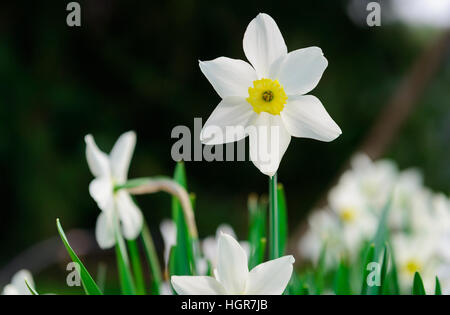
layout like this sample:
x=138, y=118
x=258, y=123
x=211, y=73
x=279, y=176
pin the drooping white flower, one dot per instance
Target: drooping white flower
x=233, y=277
x=17, y=285
x=109, y=171
x=210, y=244
x=168, y=230
x=266, y=100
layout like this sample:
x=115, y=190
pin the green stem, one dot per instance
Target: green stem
x=273, y=218
x=126, y=279
x=136, y=266
x=152, y=258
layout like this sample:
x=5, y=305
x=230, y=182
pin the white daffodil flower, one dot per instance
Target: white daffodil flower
x=17, y=285
x=233, y=277
x=266, y=100
x=109, y=171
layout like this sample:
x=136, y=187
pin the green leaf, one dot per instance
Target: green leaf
x=382, y=231
x=123, y=265
x=152, y=258
x=137, y=267
x=438, y=287
x=282, y=220
x=319, y=274
x=33, y=291
x=295, y=285
x=342, y=279
x=89, y=285
x=370, y=256
x=392, y=286
x=418, y=288
x=257, y=230
x=378, y=289
x=304, y=290
x=384, y=268
x=184, y=249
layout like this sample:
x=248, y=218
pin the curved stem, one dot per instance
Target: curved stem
x=157, y=184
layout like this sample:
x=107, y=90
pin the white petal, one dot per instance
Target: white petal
x=300, y=71
x=18, y=282
x=246, y=247
x=169, y=234
x=263, y=44
x=104, y=230
x=9, y=289
x=270, y=278
x=232, y=267
x=101, y=190
x=97, y=160
x=269, y=140
x=305, y=116
x=229, y=77
x=197, y=285
x=130, y=215
x=227, y=122
x=121, y=154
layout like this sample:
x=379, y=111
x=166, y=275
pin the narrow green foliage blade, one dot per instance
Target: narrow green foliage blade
x=418, y=288
x=438, y=290
x=136, y=266
x=89, y=285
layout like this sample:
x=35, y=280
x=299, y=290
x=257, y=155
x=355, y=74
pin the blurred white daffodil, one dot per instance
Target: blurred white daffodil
x=210, y=244
x=415, y=253
x=110, y=171
x=233, y=277
x=266, y=100
x=18, y=285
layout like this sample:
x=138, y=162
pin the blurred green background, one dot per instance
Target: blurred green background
x=134, y=66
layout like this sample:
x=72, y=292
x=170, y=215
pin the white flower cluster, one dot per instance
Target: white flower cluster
x=418, y=221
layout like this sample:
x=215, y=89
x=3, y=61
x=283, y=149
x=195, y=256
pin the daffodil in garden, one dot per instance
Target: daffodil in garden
x=232, y=275
x=18, y=285
x=266, y=99
x=117, y=207
x=417, y=221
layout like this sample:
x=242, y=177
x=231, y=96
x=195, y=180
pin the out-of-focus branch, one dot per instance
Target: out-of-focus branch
x=49, y=252
x=395, y=112
x=402, y=103
x=172, y=187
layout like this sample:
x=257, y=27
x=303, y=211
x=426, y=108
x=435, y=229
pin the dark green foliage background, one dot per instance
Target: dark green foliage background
x=134, y=65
